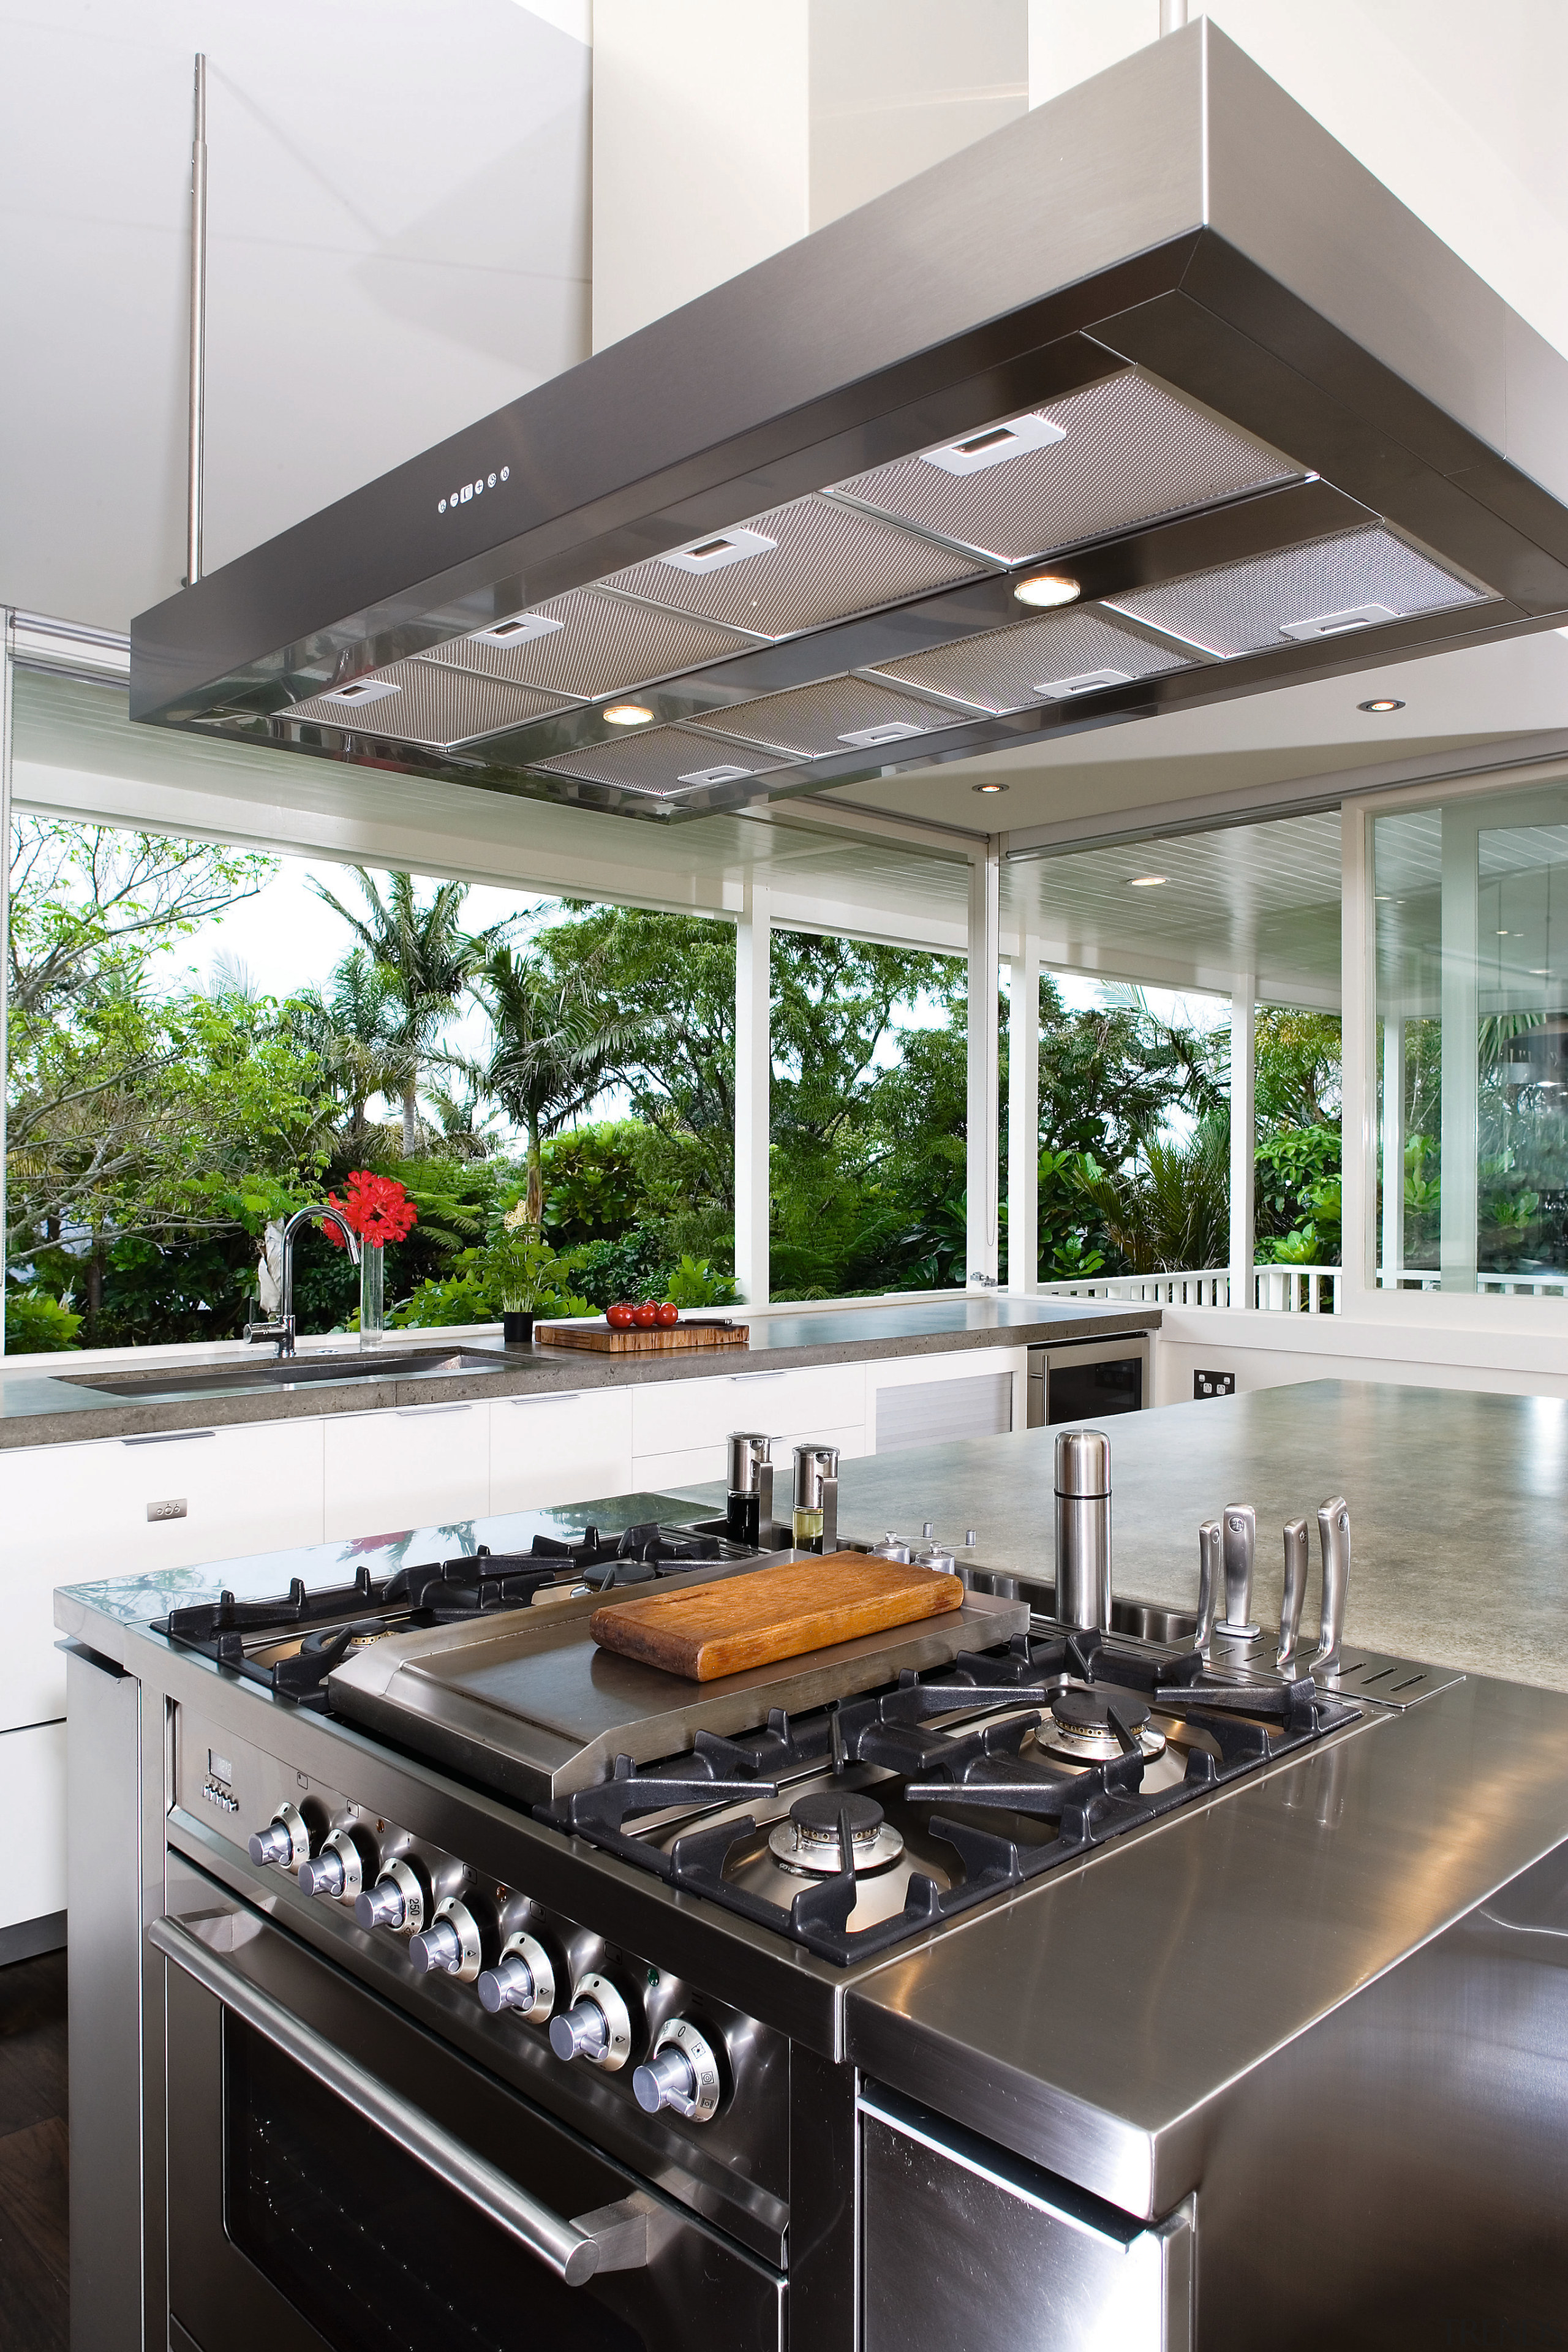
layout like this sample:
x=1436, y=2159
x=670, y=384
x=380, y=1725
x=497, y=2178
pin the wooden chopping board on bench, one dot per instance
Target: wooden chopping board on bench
x=707, y=1631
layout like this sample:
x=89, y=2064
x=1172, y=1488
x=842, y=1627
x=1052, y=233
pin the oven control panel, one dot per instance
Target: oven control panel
x=594, y=2029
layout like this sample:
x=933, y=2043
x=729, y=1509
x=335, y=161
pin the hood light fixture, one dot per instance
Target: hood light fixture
x=1381, y=702
x=994, y=444
x=629, y=714
x=1045, y=589
x=989, y=788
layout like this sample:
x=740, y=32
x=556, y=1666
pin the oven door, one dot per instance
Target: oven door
x=337, y=2176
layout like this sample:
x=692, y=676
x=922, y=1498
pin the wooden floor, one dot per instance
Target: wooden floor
x=34, y=2278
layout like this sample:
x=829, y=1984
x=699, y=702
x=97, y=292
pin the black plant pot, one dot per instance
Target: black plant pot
x=516, y=1331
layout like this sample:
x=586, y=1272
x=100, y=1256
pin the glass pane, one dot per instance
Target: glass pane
x=1472, y=1001
x=368, y=2245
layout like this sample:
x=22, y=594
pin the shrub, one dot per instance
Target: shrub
x=632, y=1267
x=38, y=1325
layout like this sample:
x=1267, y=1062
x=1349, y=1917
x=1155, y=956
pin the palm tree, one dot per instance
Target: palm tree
x=351, y=1030
x=552, y=1051
x=426, y=961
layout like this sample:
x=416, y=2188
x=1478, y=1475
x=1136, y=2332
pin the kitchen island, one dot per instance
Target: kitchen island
x=1284, y=2017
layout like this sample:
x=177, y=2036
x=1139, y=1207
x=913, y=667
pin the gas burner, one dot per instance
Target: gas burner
x=1082, y=1729
x=810, y=1845
x=358, y=1637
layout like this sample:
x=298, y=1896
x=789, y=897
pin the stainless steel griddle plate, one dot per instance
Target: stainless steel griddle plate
x=527, y=1703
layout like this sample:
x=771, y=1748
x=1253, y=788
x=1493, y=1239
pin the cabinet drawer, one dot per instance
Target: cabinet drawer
x=408, y=1466
x=662, y=1474
x=33, y=1775
x=674, y=1416
x=564, y=1447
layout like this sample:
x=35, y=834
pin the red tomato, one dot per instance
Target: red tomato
x=620, y=1318
x=669, y=1313
x=646, y=1316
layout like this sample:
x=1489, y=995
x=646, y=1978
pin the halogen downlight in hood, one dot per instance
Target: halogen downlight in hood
x=1146, y=428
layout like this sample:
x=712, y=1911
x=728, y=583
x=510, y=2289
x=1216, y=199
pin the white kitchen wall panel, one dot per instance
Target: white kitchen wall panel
x=659, y=1473
x=674, y=1416
x=33, y=1777
x=566, y=1448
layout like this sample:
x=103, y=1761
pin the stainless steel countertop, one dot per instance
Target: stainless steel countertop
x=38, y=1408
x=1458, y=1508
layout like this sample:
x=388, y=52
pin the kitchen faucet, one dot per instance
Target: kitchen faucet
x=283, y=1329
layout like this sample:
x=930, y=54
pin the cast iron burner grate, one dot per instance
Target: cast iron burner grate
x=635, y=1557
x=981, y=1769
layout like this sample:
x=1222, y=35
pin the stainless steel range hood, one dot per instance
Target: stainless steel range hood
x=1152, y=398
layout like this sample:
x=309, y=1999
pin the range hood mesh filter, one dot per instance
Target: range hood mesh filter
x=813, y=721
x=829, y=563
x=1240, y=608
x=1001, y=670
x=603, y=645
x=433, y=706
x=1133, y=453
x=657, y=759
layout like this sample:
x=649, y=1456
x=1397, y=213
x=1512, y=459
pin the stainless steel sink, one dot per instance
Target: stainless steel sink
x=1144, y=1621
x=169, y=1384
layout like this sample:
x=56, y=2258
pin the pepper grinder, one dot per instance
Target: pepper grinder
x=816, y=1523
x=749, y=1505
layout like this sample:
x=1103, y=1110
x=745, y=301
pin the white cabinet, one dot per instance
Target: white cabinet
x=560, y=1446
x=405, y=1466
x=33, y=1777
x=928, y=1400
x=122, y=1507
x=679, y=1427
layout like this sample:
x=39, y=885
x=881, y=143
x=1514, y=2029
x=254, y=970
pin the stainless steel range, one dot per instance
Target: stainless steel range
x=481, y=1986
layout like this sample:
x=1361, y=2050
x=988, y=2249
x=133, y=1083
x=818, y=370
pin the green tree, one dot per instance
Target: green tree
x=554, y=1048
x=425, y=961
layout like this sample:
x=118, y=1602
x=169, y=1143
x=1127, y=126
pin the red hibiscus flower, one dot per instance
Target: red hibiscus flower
x=377, y=1209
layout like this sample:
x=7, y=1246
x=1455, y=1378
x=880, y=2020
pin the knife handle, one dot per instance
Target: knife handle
x=1296, y=1555
x=1211, y=1572
x=1239, y=1521
x=1334, y=1536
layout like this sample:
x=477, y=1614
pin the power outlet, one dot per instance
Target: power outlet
x=1208, y=1384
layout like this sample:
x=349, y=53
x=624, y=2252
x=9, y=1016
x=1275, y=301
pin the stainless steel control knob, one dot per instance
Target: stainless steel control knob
x=670, y=2079
x=272, y=1845
x=597, y=2026
x=450, y=1943
x=324, y=1874
x=523, y=1981
x=380, y=1905
x=682, y=2073
x=439, y=1946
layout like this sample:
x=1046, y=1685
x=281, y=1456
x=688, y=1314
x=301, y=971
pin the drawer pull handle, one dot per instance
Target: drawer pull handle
x=407, y=1411
x=756, y=1376
x=548, y=1396
x=169, y=1437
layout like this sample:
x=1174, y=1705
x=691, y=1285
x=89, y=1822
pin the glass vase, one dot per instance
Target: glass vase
x=371, y=1295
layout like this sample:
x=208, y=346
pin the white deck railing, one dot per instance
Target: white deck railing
x=1277, y=1289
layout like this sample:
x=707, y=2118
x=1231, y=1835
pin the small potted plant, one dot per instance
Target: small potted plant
x=523, y=1273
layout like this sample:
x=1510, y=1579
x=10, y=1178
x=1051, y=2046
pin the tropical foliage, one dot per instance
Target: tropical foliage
x=158, y=1125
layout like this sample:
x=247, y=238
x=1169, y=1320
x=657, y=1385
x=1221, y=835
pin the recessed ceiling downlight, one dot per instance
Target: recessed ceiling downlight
x=629, y=714
x=1381, y=702
x=1045, y=589
x=990, y=788
x=1146, y=881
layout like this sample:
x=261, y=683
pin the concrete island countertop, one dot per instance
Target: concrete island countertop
x=44, y=1407
x=1458, y=1509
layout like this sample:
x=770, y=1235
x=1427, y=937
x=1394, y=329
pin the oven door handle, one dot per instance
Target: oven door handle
x=618, y=2237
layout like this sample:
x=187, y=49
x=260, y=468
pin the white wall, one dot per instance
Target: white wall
x=1458, y=107
x=398, y=194
x=724, y=130
x=1492, y=1350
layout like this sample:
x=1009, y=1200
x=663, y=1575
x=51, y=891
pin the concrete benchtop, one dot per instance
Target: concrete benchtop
x=40, y=1408
x=1458, y=1509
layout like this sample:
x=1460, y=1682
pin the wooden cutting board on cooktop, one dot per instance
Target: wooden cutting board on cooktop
x=707, y=1631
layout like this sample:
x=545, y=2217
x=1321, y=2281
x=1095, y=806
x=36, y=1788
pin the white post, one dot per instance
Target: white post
x=7, y=649
x=1392, y=1152
x=1023, y=1110
x=1243, y=1046
x=984, y=1107
x=1461, y=1040
x=1358, y=1034
x=754, y=1092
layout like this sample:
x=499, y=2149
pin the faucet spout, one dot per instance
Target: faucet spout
x=282, y=1331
